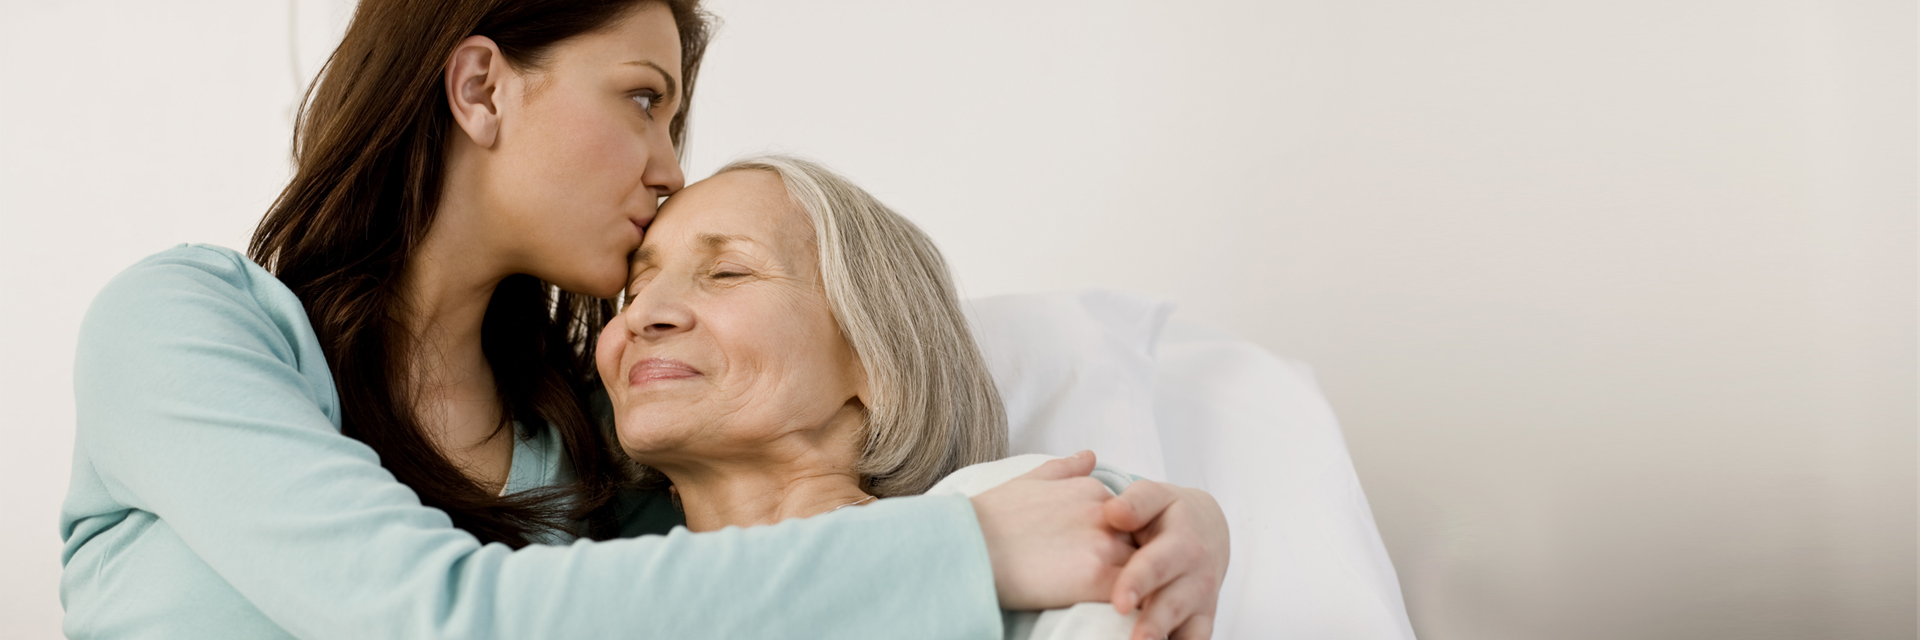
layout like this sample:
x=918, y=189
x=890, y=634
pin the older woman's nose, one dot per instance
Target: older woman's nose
x=656, y=312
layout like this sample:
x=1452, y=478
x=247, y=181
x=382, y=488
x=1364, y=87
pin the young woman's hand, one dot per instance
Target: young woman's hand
x=1049, y=539
x=1175, y=577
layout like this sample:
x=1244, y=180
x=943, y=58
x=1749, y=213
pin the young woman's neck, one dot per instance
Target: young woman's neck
x=445, y=306
x=445, y=290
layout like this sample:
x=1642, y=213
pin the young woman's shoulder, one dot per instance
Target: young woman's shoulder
x=191, y=275
x=205, y=304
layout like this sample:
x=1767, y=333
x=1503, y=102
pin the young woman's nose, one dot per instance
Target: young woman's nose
x=657, y=310
x=663, y=175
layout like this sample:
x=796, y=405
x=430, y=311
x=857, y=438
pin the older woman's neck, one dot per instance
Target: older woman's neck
x=745, y=500
x=802, y=474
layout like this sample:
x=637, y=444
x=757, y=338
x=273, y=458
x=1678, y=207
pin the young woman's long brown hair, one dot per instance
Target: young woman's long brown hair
x=368, y=152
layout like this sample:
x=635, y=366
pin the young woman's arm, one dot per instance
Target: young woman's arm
x=214, y=496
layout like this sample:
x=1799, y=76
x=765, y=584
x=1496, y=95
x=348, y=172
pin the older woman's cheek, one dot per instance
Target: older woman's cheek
x=607, y=352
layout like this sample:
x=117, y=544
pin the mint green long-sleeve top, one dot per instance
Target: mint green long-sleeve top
x=213, y=496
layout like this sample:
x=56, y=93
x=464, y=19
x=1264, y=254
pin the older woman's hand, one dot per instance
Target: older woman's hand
x=1048, y=537
x=1175, y=576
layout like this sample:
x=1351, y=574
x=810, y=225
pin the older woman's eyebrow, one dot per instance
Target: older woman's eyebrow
x=673, y=88
x=714, y=242
x=711, y=241
x=718, y=241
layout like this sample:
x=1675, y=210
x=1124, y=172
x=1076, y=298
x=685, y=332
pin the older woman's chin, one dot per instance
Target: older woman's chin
x=641, y=454
x=639, y=440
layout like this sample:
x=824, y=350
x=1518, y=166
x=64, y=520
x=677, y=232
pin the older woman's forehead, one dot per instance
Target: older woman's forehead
x=759, y=189
x=737, y=204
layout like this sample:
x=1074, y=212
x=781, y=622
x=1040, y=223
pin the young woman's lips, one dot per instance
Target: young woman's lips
x=659, y=370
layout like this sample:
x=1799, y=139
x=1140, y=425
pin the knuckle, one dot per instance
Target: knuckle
x=1159, y=615
x=1194, y=552
x=1146, y=574
x=1182, y=547
x=1115, y=552
x=1096, y=581
x=1163, y=494
x=1199, y=627
x=1187, y=596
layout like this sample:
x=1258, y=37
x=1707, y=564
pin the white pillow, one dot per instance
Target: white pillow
x=1076, y=372
x=1176, y=401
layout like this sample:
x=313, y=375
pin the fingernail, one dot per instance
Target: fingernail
x=1133, y=600
x=1083, y=453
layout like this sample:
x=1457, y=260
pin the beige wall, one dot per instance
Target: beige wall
x=1616, y=300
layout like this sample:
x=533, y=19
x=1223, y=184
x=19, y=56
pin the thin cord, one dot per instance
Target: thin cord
x=860, y=501
x=293, y=49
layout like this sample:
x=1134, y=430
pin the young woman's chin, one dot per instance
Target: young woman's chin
x=597, y=281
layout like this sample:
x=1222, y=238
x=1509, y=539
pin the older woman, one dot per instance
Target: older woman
x=790, y=347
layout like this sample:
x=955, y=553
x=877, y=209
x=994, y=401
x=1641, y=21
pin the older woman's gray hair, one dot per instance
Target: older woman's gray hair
x=933, y=406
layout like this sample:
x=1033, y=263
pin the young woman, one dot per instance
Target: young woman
x=326, y=447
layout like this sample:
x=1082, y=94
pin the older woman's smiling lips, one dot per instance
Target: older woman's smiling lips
x=658, y=370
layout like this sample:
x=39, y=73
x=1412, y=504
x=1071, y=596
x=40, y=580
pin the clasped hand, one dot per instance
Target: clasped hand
x=1057, y=537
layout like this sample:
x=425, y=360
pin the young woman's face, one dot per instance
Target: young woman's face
x=727, y=342
x=583, y=153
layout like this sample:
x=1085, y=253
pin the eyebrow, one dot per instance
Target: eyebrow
x=673, y=88
x=718, y=240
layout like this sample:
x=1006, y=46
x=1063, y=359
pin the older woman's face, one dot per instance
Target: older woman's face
x=727, y=341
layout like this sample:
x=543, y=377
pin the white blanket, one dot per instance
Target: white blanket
x=1084, y=621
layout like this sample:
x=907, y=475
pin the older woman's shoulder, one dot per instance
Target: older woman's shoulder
x=974, y=479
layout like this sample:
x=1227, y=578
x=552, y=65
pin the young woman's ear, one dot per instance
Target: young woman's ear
x=476, y=73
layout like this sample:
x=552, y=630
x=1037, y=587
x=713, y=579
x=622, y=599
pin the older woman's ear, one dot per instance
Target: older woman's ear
x=862, y=389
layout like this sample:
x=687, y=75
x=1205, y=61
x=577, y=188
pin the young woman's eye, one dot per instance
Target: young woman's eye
x=647, y=101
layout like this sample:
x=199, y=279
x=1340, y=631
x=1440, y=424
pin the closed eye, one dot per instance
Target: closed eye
x=726, y=270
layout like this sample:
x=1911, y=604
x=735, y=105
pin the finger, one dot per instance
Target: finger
x=1076, y=465
x=1134, y=508
x=1167, y=609
x=1156, y=564
x=1199, y=627
x=1115, y=550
